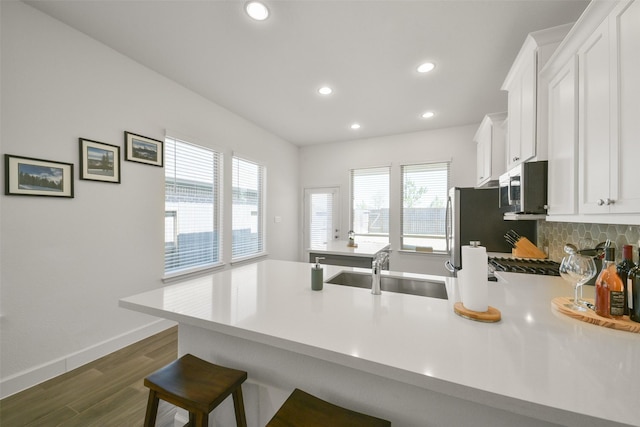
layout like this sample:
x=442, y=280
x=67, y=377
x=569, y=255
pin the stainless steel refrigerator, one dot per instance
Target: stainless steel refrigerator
x=474, y=214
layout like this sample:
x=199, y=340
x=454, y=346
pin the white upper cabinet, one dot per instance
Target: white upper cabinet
x=609, y=82
x=596, y=74
x=625, y=189
x=526, y=98
x=490, y=141
x=594, y=118
x=563, y=141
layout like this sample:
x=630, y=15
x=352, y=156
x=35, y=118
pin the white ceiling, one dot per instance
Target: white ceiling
x=268, y=72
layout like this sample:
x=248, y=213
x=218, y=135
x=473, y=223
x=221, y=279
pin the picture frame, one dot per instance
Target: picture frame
x=143, y=150
x=99, y=161
x=27, y=176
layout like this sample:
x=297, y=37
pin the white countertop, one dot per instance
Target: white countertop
x=339, y=247
x=533, y=361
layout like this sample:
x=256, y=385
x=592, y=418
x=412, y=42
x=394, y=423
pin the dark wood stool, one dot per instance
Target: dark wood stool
x=196, y=386
x=303, y=409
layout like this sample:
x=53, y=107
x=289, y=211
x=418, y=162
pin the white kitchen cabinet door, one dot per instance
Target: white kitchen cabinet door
x=563, y=141
x=528, y=108
x=609, y=81
x=521, y=143
x=481, y=163
x=625, y=146
x=594, y=118
x=490, y=142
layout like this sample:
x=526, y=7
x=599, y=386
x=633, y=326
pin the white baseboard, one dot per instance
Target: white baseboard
x=34, y=376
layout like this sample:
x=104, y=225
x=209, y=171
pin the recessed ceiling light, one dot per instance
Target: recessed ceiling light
x=355, y=126
x=426, y=67
x=256, y=10
x=428, y=115
x=325, y=90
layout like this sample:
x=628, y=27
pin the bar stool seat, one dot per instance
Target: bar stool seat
x=304, y=409
x=196, y=386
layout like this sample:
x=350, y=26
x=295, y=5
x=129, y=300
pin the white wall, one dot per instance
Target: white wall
x=66, y=262
x=328, y=165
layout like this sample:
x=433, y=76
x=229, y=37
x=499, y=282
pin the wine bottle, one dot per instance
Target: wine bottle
x=609, y=288
x=633, y=292
x=623, y=271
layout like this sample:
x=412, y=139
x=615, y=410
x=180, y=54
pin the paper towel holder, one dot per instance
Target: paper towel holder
x=492, y=315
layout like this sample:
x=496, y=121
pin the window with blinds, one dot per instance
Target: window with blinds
x=370, y=203
x=248, y=209
x=424, y=201
x=192, y=202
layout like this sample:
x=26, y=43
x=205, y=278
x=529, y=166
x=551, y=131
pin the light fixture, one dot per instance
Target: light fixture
x=428, y=115
x=325, y=90
x=256, y=10
x=426, y=67
x=355, y=126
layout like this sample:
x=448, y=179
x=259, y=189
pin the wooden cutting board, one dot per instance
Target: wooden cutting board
x=590, y=316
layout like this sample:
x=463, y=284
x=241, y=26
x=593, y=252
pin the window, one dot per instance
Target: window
x=424, y=201
x=192, y=218
x=248, y=214
x=370, y=203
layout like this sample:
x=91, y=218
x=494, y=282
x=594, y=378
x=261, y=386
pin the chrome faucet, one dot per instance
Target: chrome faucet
x=378, y=264
x=375, y=277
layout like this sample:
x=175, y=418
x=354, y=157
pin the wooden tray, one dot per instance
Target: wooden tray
x=490, y=316
x=590, y=316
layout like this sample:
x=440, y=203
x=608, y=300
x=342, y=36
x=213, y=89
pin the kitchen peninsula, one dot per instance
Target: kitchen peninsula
x=409, y=359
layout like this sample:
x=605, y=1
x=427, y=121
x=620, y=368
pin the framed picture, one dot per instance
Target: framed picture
x=99, y=161
x=142, y=149
x=25, y=176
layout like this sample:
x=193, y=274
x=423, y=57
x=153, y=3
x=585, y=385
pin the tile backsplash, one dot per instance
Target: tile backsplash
x=552, y=236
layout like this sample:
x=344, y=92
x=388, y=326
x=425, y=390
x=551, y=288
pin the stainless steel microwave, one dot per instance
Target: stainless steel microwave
x=523, y=190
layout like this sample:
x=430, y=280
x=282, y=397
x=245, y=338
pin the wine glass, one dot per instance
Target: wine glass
x=577, y=270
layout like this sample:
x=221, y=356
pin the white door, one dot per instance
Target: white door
x=321, y=216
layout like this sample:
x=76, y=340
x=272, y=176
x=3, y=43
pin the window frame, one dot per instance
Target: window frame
x=262, y=224
x=402, y=235
x=217, y=223
x=374, y=237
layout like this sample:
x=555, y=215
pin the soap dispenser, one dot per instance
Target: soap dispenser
x=316, y=275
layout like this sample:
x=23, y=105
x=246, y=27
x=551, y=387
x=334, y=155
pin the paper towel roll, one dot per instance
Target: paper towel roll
x=472, y=279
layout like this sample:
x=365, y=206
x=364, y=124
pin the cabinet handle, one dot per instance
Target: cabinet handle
x=515, y=159
x=600, y=202
x=609, y=202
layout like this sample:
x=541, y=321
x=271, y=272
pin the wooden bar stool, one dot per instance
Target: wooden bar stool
x=303, y=409
x=196, y=386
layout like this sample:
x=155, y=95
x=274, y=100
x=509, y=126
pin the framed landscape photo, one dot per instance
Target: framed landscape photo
x=99, y=161
x=143, y=150
x=25, y=176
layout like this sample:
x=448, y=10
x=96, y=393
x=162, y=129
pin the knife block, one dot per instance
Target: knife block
x=525, y=249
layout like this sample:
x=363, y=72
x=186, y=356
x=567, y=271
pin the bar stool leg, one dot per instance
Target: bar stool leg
x=238, y=406
x=152, y=410
x=202, y=420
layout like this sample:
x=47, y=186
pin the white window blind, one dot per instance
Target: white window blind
x=321, y=227
x=424, y=201
x=192, y=218
x=248, y=216
x=370, y=203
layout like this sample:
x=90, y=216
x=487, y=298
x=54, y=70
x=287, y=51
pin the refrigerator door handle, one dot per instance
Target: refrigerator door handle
x=447, y=224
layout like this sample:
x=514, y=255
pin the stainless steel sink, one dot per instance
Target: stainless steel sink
x=403, y=285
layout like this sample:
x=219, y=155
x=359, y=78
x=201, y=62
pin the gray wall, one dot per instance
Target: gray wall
x=66, y=262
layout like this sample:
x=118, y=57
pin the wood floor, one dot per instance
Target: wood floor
x=107, y=392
